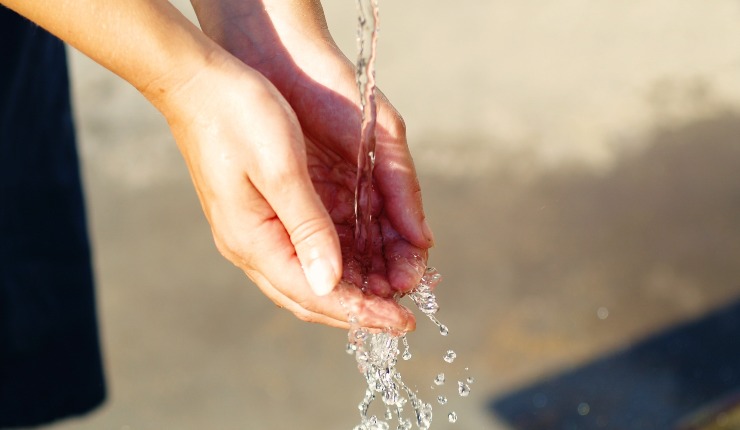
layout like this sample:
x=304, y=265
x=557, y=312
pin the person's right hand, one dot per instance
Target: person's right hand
x=289, y=43
x=257, y=178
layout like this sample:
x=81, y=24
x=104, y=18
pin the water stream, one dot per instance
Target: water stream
x=367, y=36
x=377, y=353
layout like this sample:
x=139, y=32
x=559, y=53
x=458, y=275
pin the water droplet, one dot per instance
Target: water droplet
x=443, y=330
x=351, y=348
x=360, y=334
x=388, y=414
x=584, y=409
x=470, y=380
x=450, y=356
x=406, y=349
x=441, y=400
x=463, y=389
x=452, y=417
x=424, y=416
x=404, y=425
x=440, y=379
x=602, y=313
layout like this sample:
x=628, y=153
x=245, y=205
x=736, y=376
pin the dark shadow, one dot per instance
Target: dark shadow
x=651, y=385
x=656, y=240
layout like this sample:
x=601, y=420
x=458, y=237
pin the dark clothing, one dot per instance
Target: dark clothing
x=50, y=365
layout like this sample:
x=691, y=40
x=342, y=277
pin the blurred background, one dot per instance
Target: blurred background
x=580, y=163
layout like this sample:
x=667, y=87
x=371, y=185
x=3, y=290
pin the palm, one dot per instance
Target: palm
x=324, y=96
x=396, y=264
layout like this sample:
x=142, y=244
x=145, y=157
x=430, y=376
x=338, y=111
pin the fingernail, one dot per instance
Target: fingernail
x=410, y=322
x=427, y=232
x=321, y=276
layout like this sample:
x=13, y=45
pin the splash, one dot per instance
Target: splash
x=377, y=353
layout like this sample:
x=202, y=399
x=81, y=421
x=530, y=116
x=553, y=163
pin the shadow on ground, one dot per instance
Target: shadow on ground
x=651, y=385
x=645, y=247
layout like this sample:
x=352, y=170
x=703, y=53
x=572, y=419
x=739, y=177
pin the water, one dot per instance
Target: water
x=406, y=348
x=367, y=40
x=463, y=389
x=439, y=379
x=377, y=353
x=424, y=298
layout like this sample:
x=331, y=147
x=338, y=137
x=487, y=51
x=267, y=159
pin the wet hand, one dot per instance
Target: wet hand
x=275, y=198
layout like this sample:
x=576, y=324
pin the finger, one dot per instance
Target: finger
x=278, y=272
x=283, y=301
x=405, y=262
x=336, y=309
x=251, y=236
x=396, y=177
x=283, y=180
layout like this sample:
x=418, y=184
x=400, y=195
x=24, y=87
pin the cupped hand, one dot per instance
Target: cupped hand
x=290, y=44
x=280, y=204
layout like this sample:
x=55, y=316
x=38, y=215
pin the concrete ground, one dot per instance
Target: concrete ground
x=580, y=163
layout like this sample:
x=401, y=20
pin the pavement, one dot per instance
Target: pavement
x=580, y=164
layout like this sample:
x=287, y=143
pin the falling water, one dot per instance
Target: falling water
x=367, y=40
x=377, y=353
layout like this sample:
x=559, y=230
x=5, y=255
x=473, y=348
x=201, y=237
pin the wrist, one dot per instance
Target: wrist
x=268, y=35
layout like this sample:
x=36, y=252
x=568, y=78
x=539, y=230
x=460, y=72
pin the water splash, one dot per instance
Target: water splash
x=377, y=355
x=463, y=389
x=424, y=298
x=439, y=379
x=406, y=349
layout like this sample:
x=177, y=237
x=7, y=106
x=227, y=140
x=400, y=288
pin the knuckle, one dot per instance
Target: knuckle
x=395, y=126
x=308, y=230
x=232, y=248
x=399, y=125
x=304, y=315
x=304, y=309
x=281, y=172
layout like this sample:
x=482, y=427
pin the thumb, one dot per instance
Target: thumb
x=315, y=240
x=289, y=191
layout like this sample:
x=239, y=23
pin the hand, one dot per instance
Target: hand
x=300, y=58
x=253, y=170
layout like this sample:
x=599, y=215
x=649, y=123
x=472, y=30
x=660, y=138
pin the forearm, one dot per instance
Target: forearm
x=265, y=34
x=146, y=42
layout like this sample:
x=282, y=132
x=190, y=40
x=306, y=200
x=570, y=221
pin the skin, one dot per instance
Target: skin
x=261, y=106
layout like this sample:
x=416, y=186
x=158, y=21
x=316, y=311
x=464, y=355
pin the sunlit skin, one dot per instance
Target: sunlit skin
x=288, y=41
x=270, y=137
